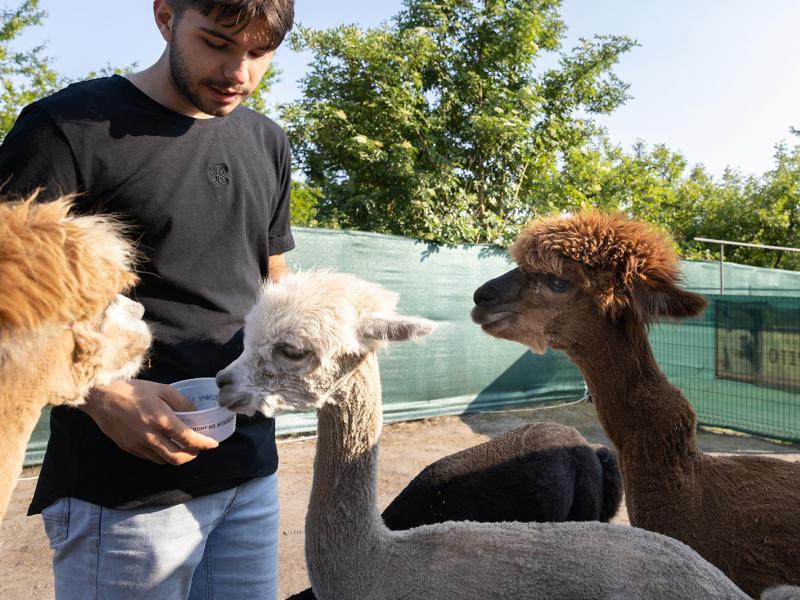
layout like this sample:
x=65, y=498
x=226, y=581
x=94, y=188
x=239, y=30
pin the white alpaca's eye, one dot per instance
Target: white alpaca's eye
x=291, y=352
x=558, y=285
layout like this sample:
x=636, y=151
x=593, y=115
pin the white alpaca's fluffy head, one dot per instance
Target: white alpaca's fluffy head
x=305, y=334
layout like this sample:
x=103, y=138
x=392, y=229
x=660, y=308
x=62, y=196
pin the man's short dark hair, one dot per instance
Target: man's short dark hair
x=277, y=14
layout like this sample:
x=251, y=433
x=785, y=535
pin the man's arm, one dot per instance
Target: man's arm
x=277, y=267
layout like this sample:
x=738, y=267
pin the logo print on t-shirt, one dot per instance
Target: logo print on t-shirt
x=219, y=174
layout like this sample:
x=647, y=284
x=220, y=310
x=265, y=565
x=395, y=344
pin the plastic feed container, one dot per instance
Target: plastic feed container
x=210, y=418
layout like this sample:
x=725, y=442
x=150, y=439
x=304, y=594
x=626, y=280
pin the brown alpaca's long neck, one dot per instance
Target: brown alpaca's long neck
x=343, y=521
x=640, y=410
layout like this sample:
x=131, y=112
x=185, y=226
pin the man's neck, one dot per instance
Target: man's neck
x=156, y=82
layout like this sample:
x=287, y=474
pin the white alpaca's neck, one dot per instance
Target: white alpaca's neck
x=343, y=524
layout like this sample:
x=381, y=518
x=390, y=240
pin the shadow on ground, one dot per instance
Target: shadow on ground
x=582, y=416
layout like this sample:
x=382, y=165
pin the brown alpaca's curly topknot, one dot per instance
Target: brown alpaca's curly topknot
x=56, y=267
x=615, y=253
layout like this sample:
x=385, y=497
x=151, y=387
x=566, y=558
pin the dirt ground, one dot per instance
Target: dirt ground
x=405, y=449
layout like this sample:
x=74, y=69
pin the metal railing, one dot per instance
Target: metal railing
x=722, y=244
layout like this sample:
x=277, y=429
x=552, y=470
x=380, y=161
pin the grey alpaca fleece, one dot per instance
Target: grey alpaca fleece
x=782, y=592
x=352, y=555
x=542, y=472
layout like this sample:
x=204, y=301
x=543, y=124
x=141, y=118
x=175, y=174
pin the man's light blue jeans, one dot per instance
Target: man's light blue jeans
x=220, y=546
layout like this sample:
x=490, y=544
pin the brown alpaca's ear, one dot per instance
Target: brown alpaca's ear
x=666, y=301
x=394, y=328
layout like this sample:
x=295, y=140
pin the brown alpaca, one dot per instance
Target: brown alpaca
x=589, y=285
x=63, y=326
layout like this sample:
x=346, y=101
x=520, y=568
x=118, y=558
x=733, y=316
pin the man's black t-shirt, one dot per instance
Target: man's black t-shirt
x=207, y=200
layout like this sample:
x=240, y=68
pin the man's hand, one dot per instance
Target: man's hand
x=138, y=416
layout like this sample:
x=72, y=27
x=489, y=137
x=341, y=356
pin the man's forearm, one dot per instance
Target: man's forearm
x=277, y=267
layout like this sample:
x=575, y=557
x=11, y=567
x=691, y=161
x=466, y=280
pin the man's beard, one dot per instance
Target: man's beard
x=182, y=81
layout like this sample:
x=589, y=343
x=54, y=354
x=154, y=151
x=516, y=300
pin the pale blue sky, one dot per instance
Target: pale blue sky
x=717, y=80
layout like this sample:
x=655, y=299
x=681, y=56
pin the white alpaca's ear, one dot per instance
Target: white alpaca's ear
x=394, y=328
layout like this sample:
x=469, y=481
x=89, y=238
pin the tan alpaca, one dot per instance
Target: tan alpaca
x=311, y=342
x=64, y=328
x=589, y=285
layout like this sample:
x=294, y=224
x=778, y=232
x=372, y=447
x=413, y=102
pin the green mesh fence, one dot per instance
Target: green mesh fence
x=459, y=369
x=741, y=280
x=738, y=363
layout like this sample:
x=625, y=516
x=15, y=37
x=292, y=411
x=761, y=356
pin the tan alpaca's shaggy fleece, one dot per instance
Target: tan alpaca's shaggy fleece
x=57, y=267
x=64, y=328
x=618, y=252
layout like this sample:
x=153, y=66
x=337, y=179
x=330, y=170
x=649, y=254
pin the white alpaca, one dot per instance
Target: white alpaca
x=311, y=342
x=63, y=326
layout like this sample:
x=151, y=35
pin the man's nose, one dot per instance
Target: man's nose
x=236, y=71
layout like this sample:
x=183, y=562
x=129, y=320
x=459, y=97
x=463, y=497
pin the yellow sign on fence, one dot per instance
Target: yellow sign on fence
x=757, y=344
x=780, y=359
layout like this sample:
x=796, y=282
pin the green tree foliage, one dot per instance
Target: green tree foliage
x=650, y=184
x=656, y=185
x=440, y=125
x=779, y=209
x=449, y=125
x=259, y=98
x=25, y=75
x=109, y=70
x=304, y=206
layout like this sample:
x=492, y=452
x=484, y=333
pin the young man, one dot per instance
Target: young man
x=137, y=505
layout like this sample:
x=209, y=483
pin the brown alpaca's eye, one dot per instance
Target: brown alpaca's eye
x=558, y=285
x=291, y=352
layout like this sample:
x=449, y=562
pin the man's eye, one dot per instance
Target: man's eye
x=558, y=285
x=214, y=46
x=291, y=352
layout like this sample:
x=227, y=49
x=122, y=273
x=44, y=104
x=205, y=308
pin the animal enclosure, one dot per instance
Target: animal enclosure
x=461, y=370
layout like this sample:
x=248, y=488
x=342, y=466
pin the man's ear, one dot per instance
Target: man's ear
x=394, y=328
x=164, y=14
x=666, y=301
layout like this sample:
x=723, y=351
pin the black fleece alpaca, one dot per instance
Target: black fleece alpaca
x=543, y=472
